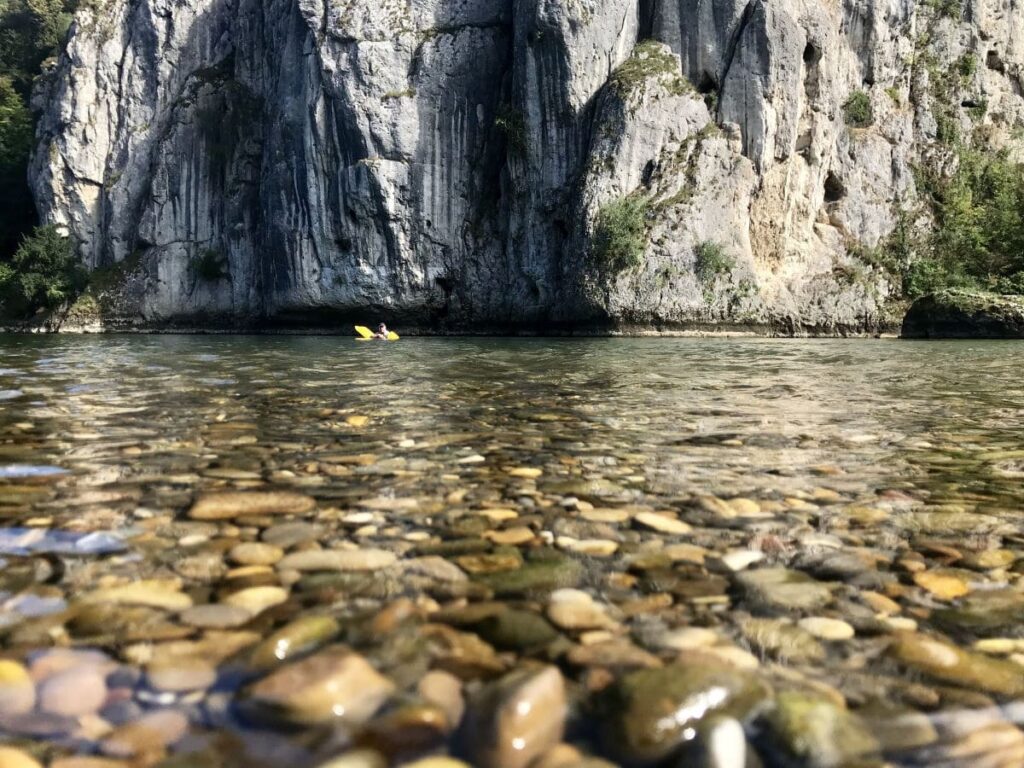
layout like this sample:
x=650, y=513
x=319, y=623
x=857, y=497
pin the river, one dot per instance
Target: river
x=243, y=550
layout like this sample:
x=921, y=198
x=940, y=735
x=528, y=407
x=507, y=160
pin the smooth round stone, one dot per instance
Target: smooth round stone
x=490, y=563
x=443, y=690
x=357, y=758
x=689, y=553
x=338, y=560
x=292, y=639
x=526, y=472
x=216, y=616
x=990, y=558
x=826, y=629
x=951, y=664
x=436, y=568
x=898, y=623
x=880, y=603
x=499, y=515
x=250, y=572
x=62, y=659
x=152, y=593
x=17, y=691
x=518, y=718
x=744, y=507
x=511, y=536
x=778, y=639
x=255, y=553
x=687, y=638
x=15, y=758
x=87, y=761
x=589, y=547
x=651, y=712
x=437, y=762
x=605, y=515
x=1000, y=646
x=181, y=674
x=784, y=589
x=741, y=559
x=73, y=692
x=816, y=732
x=662, y=523
x=335, y=683
x=945, y=586
x=226, y=506
x=150, y=734
x=721, y=743
x=202, y=567
x=256, y=599
x=287, y=535
x=573, y=609
x=559, y=756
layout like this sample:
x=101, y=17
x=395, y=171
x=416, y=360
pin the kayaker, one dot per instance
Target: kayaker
x=382, y=332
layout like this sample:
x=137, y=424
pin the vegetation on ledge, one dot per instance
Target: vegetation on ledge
x=43, y=274
x=649, y=59
x=620, y=234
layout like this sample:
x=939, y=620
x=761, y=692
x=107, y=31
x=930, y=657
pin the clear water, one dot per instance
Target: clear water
x=120, y=434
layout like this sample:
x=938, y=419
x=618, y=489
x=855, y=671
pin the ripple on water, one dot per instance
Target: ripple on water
x=10, y=394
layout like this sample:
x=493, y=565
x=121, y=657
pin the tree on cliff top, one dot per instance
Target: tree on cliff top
x=30, y=31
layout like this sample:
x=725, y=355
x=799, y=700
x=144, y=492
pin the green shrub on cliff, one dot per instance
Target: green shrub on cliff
x=857, y=110
x=712, y=261
x=42, y=274
x=620, y=234
x=976, y=240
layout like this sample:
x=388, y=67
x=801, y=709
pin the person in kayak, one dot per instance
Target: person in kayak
x=382, y=332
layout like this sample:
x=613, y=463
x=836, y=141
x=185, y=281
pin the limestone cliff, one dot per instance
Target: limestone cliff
x=447, y=162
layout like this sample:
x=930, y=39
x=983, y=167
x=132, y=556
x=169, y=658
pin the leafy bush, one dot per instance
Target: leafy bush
x=649, y=59
x=857, y=110
x=42, y=274
x=210, y=266
x=620, y=234
x=967, y=65
x=712, y=261
x=1011, y=284
x=951, y=9
x=978, y=236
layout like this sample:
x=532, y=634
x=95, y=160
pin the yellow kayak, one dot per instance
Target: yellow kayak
x=365, y=334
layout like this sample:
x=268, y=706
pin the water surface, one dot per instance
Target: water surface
x=889, y=475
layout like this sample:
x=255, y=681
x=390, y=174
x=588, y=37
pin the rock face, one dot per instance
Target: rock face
x=443, y=163
x=965, y=315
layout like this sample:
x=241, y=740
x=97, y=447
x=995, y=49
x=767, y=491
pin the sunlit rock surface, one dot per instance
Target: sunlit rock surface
x=445, y=160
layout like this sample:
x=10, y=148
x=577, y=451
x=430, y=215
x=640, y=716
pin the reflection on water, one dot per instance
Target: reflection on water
x=818, y=541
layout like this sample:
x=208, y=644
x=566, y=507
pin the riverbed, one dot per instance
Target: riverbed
x=288, y=551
